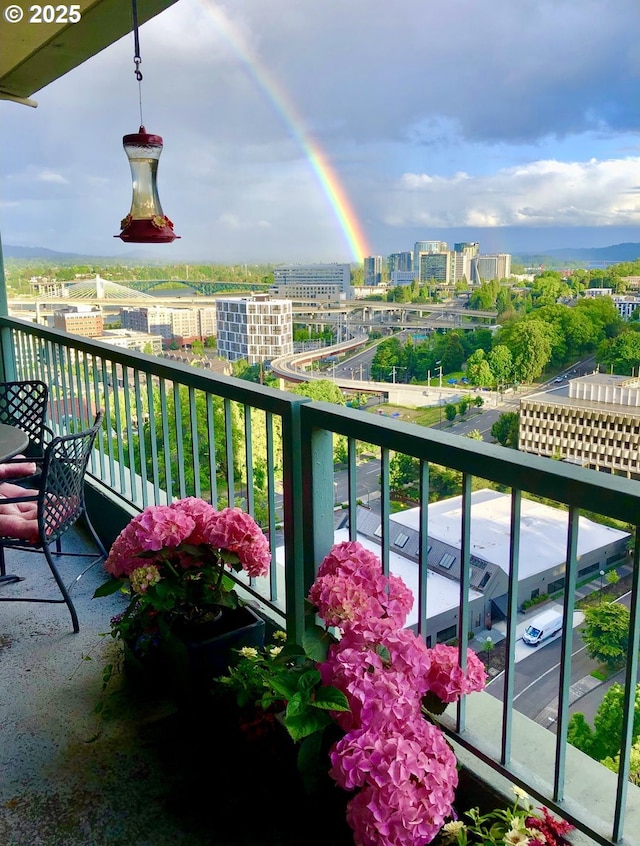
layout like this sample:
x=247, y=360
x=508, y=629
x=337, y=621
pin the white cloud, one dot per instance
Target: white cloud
x=542, y=193
x=51, y=176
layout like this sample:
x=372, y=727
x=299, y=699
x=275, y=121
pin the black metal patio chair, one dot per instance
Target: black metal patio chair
x=24, y=405
x=36, y=520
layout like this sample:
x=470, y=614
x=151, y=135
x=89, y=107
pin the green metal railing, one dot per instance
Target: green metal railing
x=173, y=431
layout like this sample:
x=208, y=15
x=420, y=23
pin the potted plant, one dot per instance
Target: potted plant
x=173, y=562
x=362, y=700
x=517, y=825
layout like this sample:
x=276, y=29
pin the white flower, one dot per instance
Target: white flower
x=249, y=652
x=516, y=838
x=274, y=651
x=279, y=635
x=453, y=827
x=520, y=793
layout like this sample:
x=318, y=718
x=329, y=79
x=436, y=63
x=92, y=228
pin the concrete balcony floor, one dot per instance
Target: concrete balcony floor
x=140, y=776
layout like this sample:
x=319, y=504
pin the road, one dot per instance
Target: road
x=537, y=679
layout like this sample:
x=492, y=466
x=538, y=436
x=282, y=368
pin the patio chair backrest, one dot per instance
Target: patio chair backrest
x=24, y=404
x=61, y=492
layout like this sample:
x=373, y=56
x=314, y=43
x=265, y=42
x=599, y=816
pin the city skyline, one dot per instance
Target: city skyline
x=289, y=139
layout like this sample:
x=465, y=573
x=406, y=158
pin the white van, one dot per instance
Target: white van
x=542, y=626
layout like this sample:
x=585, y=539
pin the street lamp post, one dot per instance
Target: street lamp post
x=601, y=583
x=488, y=647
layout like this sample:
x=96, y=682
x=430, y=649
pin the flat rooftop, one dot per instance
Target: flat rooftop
x=543, y=530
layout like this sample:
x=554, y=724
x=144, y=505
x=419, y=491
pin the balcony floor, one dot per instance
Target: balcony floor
x=142, y=775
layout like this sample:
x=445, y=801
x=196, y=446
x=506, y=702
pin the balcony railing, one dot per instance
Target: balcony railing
x=174, y=431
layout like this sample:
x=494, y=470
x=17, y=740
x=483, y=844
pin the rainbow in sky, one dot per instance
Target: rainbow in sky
x=326, y=175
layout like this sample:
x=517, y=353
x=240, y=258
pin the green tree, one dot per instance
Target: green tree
x=453, y=353
x=621, y=353
x=321, y=390
x=634, y=763
x=197, y=347
x=505, y=429
x=463, y=406
x=450, y=411
x=606, y=633
x=478, y=369
x=501, y=363
x=580, y=734
x=607, y=722
x=387, y=356
x=443, y=483
x=530, y=342
x=403, y=470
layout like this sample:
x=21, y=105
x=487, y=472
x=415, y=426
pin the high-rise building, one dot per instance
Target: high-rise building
x=402, y=262
x=254, y=328
x=422, y=247
x=468, y=248
x=486, y=268
x=373, y=270
x=435, y=266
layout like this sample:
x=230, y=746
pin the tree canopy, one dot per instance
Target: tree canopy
x=606, y=632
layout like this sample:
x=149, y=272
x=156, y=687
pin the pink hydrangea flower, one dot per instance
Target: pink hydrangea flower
x=201, y=512
x=350, y=588
x=408, y=777
x=447, y=679
x=164, y=529
x=236, y=531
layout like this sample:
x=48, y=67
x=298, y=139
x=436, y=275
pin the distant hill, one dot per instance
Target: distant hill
x=615, y=253
x=46, y=255
x=9, y=251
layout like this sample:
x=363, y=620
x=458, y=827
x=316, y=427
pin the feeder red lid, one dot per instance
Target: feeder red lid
x=142, y=138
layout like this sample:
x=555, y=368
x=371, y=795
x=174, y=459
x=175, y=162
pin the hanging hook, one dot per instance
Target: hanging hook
x=136, y=40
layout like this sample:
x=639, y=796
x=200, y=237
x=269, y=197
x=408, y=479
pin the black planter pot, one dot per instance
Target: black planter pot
x=183, y=665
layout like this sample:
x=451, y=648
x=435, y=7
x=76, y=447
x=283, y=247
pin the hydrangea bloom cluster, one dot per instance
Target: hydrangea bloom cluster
x=401, y=765
x=174, y=560
x=189, y=531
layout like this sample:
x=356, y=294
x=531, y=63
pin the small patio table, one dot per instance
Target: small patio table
x=12, y=441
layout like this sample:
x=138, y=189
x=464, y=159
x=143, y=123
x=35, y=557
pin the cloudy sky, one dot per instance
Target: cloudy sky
x=324, y=129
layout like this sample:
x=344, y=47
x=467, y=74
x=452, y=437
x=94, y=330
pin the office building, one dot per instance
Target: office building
x=593, y=421
x=184, y=325
x=402, y=262
x=301, y=276
x=373, y=270
x=489, y=267
x=421, y=247
x=254, y=328
x=83, y=320
x=435, y=266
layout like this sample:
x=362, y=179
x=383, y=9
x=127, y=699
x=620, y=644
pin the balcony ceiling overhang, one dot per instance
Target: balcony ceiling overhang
x=35, y=54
